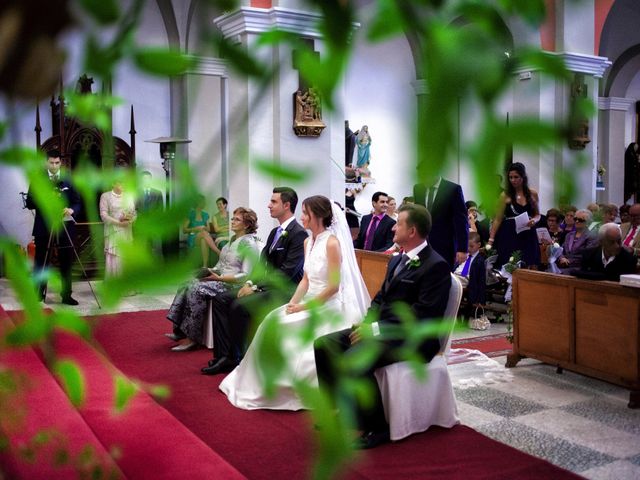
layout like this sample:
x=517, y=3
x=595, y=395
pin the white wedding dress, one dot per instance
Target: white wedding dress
x=244, y=385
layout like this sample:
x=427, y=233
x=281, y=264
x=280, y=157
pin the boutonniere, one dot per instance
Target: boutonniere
x=284, y=234
x=413, y=262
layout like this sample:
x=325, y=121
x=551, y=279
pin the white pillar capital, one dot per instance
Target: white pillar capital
x=259, y=20
x=581, y=63
x=574, y=62
x=615, y=103
x=215, y=67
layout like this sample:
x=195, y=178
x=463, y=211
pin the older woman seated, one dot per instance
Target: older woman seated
x=577, y=242
x=188, y=311
x=557, y=234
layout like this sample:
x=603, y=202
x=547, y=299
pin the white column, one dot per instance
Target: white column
x=261, y=119
x=613, y=118
x=545, y=99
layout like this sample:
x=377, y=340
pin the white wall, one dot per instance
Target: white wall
x=378, y=93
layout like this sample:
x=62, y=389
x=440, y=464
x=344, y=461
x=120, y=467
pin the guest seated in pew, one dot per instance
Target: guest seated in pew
x=376, y=228
x=472, y=274
x=554, y=218
x=282, y=256
x=189, y=309
x=420, y=279
x=609, y=260
x=577, y=242
x=330, y=296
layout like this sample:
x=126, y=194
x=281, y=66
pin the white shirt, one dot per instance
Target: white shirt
x=435, y=188
x=286, y=223
x=606, y=261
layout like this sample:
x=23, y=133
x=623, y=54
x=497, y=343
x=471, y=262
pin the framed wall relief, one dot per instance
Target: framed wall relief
x=307, y=113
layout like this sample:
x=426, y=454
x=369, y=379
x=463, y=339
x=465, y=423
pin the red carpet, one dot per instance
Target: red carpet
x=491, y=345
x=271, y=444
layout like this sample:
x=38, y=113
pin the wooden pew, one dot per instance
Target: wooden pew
x=373, y=266
x=585, y=326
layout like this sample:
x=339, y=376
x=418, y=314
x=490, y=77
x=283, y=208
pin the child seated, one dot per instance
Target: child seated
x=472, y=273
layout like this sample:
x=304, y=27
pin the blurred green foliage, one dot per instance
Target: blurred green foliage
x=464, y=53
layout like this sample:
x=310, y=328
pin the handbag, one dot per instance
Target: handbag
x=479, y=322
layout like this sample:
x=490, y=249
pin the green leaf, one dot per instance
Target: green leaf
x=387, y=23
x=124, y=392
x=532, y=11
x=71, y=322
x=161, y=392
x=239, y=59
x=163, y=62
x=72, y=380
x=92, y=109
x=283, y=172
x=547, y=63
x=104, y=11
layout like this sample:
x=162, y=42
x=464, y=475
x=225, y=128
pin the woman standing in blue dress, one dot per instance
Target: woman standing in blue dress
x=517, y=199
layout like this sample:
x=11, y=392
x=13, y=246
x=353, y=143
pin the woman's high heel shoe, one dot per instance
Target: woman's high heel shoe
x=183, y=347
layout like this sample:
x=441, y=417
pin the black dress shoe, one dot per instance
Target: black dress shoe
x=222, y=365
x=69, y=300
x=372, y=440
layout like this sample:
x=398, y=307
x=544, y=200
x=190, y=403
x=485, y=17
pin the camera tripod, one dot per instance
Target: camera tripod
x=50, y=243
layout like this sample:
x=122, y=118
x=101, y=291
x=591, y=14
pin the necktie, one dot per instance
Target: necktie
x=629, y=239
x=401, y=264
x=370, y=233
x=430, y=197
x=465, y=268
x=275, y=239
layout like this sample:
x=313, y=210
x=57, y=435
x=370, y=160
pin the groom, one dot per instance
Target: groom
x=420, y=279
x=283, y=253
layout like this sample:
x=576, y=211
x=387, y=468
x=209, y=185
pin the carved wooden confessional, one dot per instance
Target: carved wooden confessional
x=76, y=141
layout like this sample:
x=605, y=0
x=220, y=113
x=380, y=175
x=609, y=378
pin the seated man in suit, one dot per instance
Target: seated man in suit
x=420, y=279
x=283, y=255
x=609, y=260
x=472, y=273
x=376, y=228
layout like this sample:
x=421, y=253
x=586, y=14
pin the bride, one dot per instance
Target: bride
x=331, y=296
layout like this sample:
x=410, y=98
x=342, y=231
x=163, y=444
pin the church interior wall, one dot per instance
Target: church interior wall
x=378, y=93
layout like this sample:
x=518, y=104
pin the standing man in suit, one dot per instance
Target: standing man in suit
x=420, y=278
x=150, y=200
x=631, y=231
x=445, y=202
x=58, y=232
x=376, y=229
x=282, y=256
x=609, y=260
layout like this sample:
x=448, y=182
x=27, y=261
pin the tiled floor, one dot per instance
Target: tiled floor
x=573, y=421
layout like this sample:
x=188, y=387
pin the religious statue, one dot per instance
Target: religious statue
x=307, y=113
x=363, y=140
x=579, y=128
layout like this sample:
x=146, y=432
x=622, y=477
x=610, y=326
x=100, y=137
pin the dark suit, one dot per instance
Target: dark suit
x=425, y=290
x=476, y=290
x=593, y=268
x=150, y=202
x=383, y=236
x=42, y=234
x=232, y=316
x=450, y=228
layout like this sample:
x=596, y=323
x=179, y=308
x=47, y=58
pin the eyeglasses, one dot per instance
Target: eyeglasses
x=580, y=220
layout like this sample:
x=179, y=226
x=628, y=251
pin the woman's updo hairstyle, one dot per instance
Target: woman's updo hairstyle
x=320, y=206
